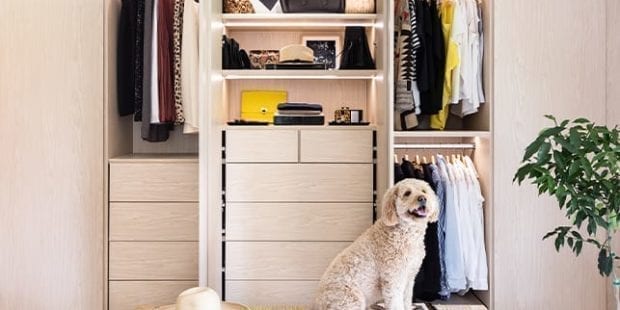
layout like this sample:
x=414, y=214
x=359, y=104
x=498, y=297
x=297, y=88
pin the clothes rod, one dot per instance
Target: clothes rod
x=436, y=146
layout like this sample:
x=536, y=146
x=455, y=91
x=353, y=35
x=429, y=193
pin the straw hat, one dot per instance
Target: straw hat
x=198, y=298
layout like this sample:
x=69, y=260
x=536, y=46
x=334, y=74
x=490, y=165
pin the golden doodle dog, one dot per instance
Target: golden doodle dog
x=384, y=261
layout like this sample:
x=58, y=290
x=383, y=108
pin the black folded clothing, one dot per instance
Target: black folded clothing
x=298, y=120
x=298, y=106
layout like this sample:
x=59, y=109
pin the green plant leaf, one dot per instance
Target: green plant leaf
x=533, y=148
x=543, y=153
x=549, y=234
x=581, y=121
x=559, y=242
x=578, y=246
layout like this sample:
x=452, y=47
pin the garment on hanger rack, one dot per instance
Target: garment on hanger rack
x=177, y=33
x=189, y=66
x=455, y=261
x=165, y=61
x=448, y=64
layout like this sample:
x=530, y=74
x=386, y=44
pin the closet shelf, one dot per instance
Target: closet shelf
x=154, y=158
x=299, y=74
x=298, y=21
x=442, y=134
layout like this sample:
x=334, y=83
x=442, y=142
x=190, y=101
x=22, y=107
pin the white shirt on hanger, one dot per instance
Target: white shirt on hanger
x=478, y=280
x=189, y=66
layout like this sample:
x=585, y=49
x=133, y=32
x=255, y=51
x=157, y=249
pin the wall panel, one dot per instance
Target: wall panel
x=51, y=128
x=545, y=63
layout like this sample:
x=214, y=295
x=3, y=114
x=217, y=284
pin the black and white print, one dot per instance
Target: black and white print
x=326, y=50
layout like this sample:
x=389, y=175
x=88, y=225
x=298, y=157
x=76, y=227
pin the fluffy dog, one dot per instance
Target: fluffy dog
x=384, y=261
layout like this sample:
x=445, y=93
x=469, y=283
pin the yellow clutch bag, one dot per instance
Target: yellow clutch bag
x=261, y=105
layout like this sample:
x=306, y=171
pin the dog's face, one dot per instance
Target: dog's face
x=410, y=202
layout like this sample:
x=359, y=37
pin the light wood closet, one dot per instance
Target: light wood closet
x=370, y=90
x=151, y=207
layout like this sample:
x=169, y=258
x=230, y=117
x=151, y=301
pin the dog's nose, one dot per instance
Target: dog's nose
x=421, y=199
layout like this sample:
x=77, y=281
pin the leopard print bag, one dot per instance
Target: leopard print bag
x=238, y=6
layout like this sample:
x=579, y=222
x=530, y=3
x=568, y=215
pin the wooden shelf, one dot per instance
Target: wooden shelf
x=299, y=74
x=299, y=127
x=154, y=158
x=442, y=134
x=298, y=21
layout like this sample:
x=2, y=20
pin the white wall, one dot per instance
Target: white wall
x=549, y=59
x=51, y=154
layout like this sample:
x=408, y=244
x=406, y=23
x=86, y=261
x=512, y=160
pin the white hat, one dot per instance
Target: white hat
x=198, y=298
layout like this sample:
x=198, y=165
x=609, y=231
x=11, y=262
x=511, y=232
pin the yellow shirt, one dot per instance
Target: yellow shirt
x=438, y=121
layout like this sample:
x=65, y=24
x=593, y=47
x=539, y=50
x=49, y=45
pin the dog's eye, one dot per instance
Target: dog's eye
x=407, y=194
x=424, y=191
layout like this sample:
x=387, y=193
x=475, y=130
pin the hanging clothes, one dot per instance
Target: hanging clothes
x=177, y=37
x=151, y=132
x=428, y=281
x=434, y=58
x=126, y=57
x=189, y=67
x=165, y=61
x=447, y=11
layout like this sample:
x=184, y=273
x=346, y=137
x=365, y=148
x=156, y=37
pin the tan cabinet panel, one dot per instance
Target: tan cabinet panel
x=154, y=182
x=126, y=295
x=153, y=221
x=153, y=260
x=297, y=221
x=259, y=146
x=299, y=182
x=279, y=260
x=336, y=146
x=254, y=293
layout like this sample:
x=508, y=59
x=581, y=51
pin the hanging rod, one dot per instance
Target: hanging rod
x=436, y=146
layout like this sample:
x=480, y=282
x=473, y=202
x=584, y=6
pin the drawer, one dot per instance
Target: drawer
x=258, y=146
x=272, y=292
x=299, y=183
x=154, y=182
x=153, y=221
x=153, y=260
x=297, y=221
x=336, y=146
x=126, y=295
x=279, y=260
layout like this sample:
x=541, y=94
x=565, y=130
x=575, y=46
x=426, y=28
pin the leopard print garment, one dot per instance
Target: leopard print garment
x=238, y=6
x=177, y=30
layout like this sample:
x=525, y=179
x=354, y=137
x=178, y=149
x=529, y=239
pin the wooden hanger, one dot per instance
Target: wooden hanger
x=417, y=159
x=406, y=157
x=396, y=158
x=424, y=161
x=433, y=160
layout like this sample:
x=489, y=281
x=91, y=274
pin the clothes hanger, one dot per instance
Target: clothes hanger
x=406, y=157
x=417, y=159
x=396, y=158
x=424, y=161
x=433, y=160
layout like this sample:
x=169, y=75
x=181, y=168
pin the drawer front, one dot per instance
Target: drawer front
x=297, y=221
x=127, y=295
x=153, y=221
x=299, y=183
x=154, y=182
x=280, y=260
x=153, y=261
x=254, y=293
x=259, y=146
x=336, y=146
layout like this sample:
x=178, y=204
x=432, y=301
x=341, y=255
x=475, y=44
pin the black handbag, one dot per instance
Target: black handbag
x=356, y=52
x=312, y=6
x=232, y=56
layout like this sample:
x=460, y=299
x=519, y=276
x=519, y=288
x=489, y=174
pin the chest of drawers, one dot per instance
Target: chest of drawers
x=153, y=229
x=293, y=199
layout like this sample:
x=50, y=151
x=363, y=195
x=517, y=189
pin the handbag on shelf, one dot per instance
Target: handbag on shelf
x=238, y=7
x=360, y=6
x=312, y=6
x=356, y=52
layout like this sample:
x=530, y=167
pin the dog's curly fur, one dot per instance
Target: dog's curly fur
x=383, y=262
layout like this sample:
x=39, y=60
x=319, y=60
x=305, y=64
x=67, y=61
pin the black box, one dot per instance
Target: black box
x=299, y=120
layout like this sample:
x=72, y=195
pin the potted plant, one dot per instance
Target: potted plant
x=577, y=162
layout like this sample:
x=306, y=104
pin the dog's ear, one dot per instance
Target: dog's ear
x=389, y=214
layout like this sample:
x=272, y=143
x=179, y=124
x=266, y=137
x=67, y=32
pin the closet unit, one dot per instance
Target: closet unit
x=265, y=183
x=151, y=201
x=281, y=202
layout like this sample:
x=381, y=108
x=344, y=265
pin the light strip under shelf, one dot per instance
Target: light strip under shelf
x=436, y=146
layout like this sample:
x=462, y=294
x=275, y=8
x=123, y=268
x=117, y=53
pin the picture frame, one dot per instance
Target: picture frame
x=326, y=49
